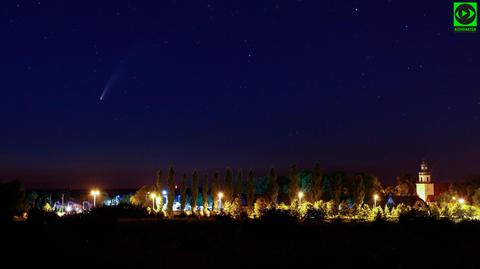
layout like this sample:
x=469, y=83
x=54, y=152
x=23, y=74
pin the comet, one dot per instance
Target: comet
x=107, y=87
x=111, y=82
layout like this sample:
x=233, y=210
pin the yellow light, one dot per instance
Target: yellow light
x=220, y=195
x=300, y=195
x=454, y=198
x=375, y=196
x=153, y=195
x=94, y=192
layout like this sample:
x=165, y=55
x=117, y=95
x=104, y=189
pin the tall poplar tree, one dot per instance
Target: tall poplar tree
x=238, y=186
x=272, y=187
x=250, y=191
x=215, y=189
x=171, y=190
x=194, y=191
x=228, y=188
x=159, y=187
x=205, y=192
x=183, y=192
x=317, y=183
x=294, y=187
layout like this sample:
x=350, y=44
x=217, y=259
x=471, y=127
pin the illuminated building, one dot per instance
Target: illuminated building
x=425, y=186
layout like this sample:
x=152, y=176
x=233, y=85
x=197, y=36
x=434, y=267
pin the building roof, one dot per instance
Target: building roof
x=410, y=200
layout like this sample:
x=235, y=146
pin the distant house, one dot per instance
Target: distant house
x=413, y=201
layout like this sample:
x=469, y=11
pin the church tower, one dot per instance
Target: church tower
x=425, y=186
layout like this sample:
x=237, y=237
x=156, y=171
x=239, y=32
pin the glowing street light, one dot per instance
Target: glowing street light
x=300, y=196
x=153, y=196
x=220, y=196
x=461, y=201
x=375, y=198
x=94, y=193
x=164, y=199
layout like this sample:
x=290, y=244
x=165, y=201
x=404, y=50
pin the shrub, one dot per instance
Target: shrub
x=41, y=217
x=414, y=215
x=278, y=216
x=259, y=207
x=120, y=211
x=314, y=214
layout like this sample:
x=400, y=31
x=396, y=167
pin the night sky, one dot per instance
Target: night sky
x=371, y=86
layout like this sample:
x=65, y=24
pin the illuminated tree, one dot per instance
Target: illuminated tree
x=159, y=187
x=142, y=196
x=317, y=183
x=272, y=189
x=250, y=190
x=476, y=197
x=171, y=190
x=260, y=207
x=337, y=188
x=194, y=191
x=372, y=185
x=47, y=207
x=205, y=193
x=364, y=213
x=183, y=192
x=405, y=185
x=358, y=190
x=215, y=190
x=236, y=208
x=305, y=182
x=228, y=188
x=31, y=199
x=294, y=184
x=261, y=185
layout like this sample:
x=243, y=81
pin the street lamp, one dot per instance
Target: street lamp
x=300, y=196
x=461, y=201
x=220, y=196
x=164, y=199
x=375, y=198
x=94, y=193
x=153, y=196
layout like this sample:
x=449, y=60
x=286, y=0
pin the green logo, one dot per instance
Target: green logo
x=465, y=16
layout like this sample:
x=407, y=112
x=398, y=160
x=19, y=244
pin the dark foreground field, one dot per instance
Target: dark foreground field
x=420, y=244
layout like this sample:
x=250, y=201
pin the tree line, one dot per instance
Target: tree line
x=244, y=190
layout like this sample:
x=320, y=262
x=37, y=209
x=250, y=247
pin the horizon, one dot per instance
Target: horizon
x=178, y=174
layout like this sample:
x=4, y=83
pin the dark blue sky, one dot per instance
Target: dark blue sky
x=356, y=85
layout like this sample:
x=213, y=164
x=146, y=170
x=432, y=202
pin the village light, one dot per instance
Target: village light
x=375, y=198
x=461, y=201
x=300, y=196
x=94, y=193
x=220, y=196
x=153, y=196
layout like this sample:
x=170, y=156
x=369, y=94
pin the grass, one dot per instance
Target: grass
x=203, y=242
